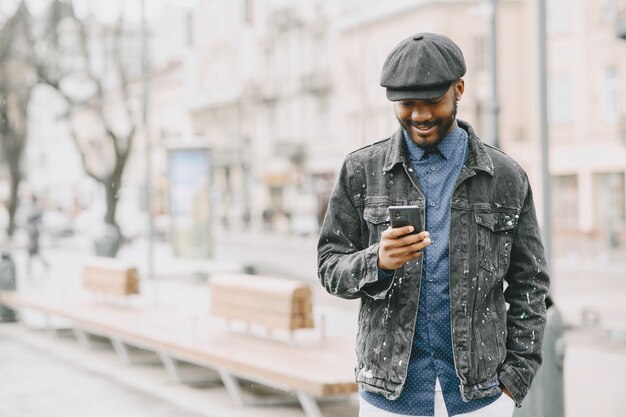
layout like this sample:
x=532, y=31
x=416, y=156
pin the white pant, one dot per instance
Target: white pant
x=502, y=407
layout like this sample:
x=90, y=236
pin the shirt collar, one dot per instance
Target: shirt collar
x=448, y=145
x=477, y=156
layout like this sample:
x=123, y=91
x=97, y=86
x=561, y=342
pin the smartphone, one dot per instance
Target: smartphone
x=400, y=216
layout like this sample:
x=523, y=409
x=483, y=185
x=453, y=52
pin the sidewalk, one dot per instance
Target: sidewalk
x=48, y=373
x=590, y=356
x=589, y=288
x=56, y=377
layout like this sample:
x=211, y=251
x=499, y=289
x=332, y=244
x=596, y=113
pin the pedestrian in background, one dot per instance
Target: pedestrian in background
x=435, y=336
x=34, y=218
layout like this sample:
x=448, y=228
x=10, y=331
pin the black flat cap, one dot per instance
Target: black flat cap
x=422, y=67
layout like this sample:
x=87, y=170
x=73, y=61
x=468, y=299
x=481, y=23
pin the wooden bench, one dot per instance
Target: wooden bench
x=110, y=276
x=310, y=370
x=257, y=300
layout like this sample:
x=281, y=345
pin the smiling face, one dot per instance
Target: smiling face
x=429, y=121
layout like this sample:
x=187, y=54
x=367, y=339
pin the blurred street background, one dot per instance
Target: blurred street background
x=190, y=137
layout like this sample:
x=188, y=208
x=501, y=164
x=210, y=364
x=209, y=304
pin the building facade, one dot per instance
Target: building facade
x=280, y=91
x=262, y=103
x=284, y=90
x=587, y=116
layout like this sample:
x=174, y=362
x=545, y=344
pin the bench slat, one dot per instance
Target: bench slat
x=266, y=301
x=261, y=284
x=277, y=304
x=110, y=276
x=267, y=319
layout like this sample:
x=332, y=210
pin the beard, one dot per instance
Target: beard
x=442, y=125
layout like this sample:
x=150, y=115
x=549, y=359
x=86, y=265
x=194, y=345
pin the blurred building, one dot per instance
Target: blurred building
x=299, y=154
x=369, y=30
x=169, y=121
x=221, y=100
x=279, y=91
x=587, y=116
x=261, y=99
x=284, y=90
x=586, y=69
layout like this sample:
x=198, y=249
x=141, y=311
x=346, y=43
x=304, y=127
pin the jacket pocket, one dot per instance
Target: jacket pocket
x=495, y=230
x=378, y=220
x=488, y=354
x=499, y=328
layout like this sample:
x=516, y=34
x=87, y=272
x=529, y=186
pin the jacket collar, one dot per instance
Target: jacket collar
x=477, y=157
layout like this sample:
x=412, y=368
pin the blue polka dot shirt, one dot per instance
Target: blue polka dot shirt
x=431, y=354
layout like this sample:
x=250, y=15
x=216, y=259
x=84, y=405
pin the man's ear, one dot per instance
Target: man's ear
x=459, y=88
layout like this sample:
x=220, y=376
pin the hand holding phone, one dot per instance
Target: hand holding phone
x=397, y=245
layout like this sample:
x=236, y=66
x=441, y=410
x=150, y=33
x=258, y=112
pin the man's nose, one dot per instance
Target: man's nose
x=421, y=114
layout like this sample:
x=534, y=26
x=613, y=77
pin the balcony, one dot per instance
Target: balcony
x=284, y=19
x=318, y=82
x=269, y=91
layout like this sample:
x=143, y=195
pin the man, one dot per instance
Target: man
x=33, y=225
x=435, y=336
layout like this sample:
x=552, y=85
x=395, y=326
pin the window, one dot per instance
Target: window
x=565, y=200
x=559, y=99
x=190, y=29
x=480, y=49
x=608, y=200
x=558, y=16
x=609, y=11
x=246, y=12
x=611, y=95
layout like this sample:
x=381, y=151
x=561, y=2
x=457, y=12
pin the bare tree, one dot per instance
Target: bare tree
x=17, y=81
x=88, y=64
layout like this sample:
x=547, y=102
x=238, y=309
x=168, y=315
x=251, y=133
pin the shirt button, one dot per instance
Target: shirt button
x=433, y=168
x=433, y=204
x=430, y=279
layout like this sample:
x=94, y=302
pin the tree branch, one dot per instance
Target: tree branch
x=119, y=63
x=81, y=151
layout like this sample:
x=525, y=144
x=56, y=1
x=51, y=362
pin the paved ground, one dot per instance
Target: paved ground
x=55, y=376
x=42, y=380
x=595, y=374
x=52, y=376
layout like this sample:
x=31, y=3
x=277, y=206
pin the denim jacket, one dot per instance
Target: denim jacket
x=496, y=258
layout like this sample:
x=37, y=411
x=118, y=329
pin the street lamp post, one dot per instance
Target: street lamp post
x=543, y=132
x=493, y=47
x=146, y=132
